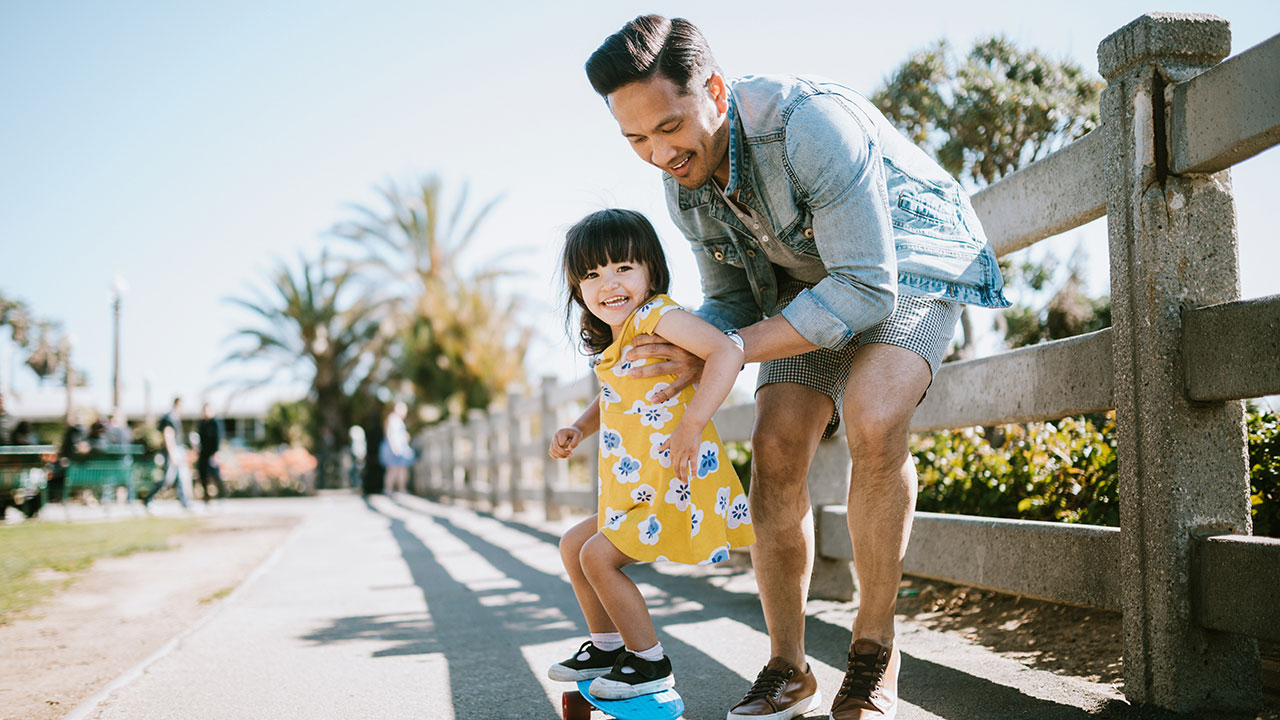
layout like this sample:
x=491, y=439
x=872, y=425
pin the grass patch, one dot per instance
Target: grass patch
x=38, y=559
x=214, y=597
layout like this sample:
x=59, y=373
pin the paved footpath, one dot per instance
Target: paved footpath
x=408, y=609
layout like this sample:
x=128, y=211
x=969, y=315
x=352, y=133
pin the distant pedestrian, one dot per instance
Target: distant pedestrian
x=395, y=453
x=98, y=436
x=118, y=433
x=210, y=432
x=73, y=444
x=22, y=434
x=174, y=452
x=358, y=448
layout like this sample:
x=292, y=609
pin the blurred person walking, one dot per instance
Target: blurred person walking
x=73, y=443
x=395, y=453
x=210, y=432
x=176, y=470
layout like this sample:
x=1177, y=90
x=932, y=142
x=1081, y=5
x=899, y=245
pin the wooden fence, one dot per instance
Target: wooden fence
x=1195, y=588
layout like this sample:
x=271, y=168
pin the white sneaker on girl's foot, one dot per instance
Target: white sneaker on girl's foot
x=633, y=676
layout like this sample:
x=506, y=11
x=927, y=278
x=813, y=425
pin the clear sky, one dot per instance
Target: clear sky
x=186, y=147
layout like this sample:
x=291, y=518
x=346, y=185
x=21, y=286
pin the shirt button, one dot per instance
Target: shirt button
x=764, y=238
x=719, y=255
x=751, y=253
x=808, y=232
x=755, y=226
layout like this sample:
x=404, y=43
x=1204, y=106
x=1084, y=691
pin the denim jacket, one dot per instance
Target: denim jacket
x=836, y=182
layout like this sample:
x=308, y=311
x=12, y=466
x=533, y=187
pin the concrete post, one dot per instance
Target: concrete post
x=515, y=448
x=555, y=473
x=1183, y=469
x=496, y=425
x=831, y=578
x=478, y=465
x=452, y=478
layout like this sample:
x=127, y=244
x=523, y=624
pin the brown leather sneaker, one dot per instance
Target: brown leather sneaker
x=781, y=691
x=870, y=687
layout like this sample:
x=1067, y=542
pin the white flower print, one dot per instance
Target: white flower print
x=720, y=554
x=655, y=416
x=608, y=394
x=679, y=494
x=667, y=308
x=739, y=512
x=643, y=494
x=695, y=520
x=708, y=458
x=614, y=518
x=611, y=442
x=650, y=528
x=623, y=366
x=662, y=456
x=722, y=500
x=659, y=386
x=647, y=308
x=627, y=470
x=661, y=558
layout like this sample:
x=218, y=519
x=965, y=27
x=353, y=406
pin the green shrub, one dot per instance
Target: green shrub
x=1264, y=471
x=1063, y=471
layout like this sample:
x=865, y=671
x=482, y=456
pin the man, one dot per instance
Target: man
x=842, y=254
x=174, y=452
x=210, y=432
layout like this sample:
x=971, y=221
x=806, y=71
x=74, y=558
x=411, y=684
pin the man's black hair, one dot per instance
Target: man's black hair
x=648, y=46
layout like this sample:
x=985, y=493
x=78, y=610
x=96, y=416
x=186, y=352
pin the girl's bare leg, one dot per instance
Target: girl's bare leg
x=570, y=551
x=602, y=563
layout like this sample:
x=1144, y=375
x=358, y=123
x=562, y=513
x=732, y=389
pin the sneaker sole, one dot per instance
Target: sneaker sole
x=613, y=690
x=808, y=704
x=560, y=673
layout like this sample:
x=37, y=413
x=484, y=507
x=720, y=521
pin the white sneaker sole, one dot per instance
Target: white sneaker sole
x=614, y=690
x=561, y=673
x=808, y=704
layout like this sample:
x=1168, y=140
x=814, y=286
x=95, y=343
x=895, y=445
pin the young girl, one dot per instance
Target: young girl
x=666, y=488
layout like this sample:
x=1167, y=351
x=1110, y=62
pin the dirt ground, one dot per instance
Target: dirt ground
x=123, y=609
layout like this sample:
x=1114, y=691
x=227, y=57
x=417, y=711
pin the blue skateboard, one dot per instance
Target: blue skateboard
x=664, y=705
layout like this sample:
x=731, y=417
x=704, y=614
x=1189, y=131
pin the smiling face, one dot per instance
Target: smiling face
x=685, y=135
x=611, y=292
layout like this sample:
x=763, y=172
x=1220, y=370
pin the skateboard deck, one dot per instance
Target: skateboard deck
x=664, y=705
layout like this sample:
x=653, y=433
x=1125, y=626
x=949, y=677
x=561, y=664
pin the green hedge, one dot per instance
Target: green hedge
x=1062, y=471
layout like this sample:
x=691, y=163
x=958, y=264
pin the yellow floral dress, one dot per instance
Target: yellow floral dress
x=646, y=511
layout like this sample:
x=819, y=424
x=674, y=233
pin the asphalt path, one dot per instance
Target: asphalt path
x=403, y=608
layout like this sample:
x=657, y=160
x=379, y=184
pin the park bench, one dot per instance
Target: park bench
x=102, y=471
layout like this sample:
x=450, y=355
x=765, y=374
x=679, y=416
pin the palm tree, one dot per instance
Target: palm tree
x=459, y=340
x=316, y=324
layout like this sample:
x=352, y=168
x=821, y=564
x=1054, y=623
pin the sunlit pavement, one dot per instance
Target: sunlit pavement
x=408, y=609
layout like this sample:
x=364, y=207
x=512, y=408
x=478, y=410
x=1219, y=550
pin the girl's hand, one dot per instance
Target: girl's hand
x=565, y=440
x=684, y=444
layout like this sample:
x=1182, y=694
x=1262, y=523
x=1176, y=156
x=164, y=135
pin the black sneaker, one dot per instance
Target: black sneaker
x=588, y=663
x=633, y=676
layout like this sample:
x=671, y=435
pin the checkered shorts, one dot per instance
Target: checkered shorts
x=923, y=325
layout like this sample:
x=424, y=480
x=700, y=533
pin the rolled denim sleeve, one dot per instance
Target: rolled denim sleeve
x=838, y=167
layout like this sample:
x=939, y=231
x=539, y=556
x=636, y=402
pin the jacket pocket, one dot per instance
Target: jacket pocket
x=722, y=250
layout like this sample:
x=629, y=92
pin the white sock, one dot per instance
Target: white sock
x=607, y=641
x=653, y=654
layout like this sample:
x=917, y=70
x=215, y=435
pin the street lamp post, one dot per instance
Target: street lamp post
x=118, y=289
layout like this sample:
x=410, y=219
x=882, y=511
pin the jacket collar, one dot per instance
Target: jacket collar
x=689, y=198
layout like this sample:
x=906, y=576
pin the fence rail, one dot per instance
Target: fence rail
x=1194, y=587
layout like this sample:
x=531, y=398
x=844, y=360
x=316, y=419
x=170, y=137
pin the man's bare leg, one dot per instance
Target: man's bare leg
x=886, y=383
x=790, y=419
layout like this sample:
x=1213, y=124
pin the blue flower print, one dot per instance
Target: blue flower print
x=679, y=494
x=695, y=520
x=650, y=528
x=610, y=442
x=739, y=512
x=722, y=501
x=655, y=416
x=708, y=458
x=623, y=366
x=614, y=518
x=662, y=456
x=720, y=554
x=608, y=394
x=657, y=387
x=627, y=470
x=645, y=309
x=643, y=494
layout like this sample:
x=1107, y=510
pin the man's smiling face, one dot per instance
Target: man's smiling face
x=686, y=135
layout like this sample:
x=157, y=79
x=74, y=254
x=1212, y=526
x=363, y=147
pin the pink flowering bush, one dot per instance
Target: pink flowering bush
x=287, y=472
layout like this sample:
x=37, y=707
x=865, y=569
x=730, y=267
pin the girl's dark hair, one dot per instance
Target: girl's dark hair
x=647, y=46
x=604, y=237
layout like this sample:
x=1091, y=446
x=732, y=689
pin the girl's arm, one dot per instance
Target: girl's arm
x=567, y=438
x=723, y=363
